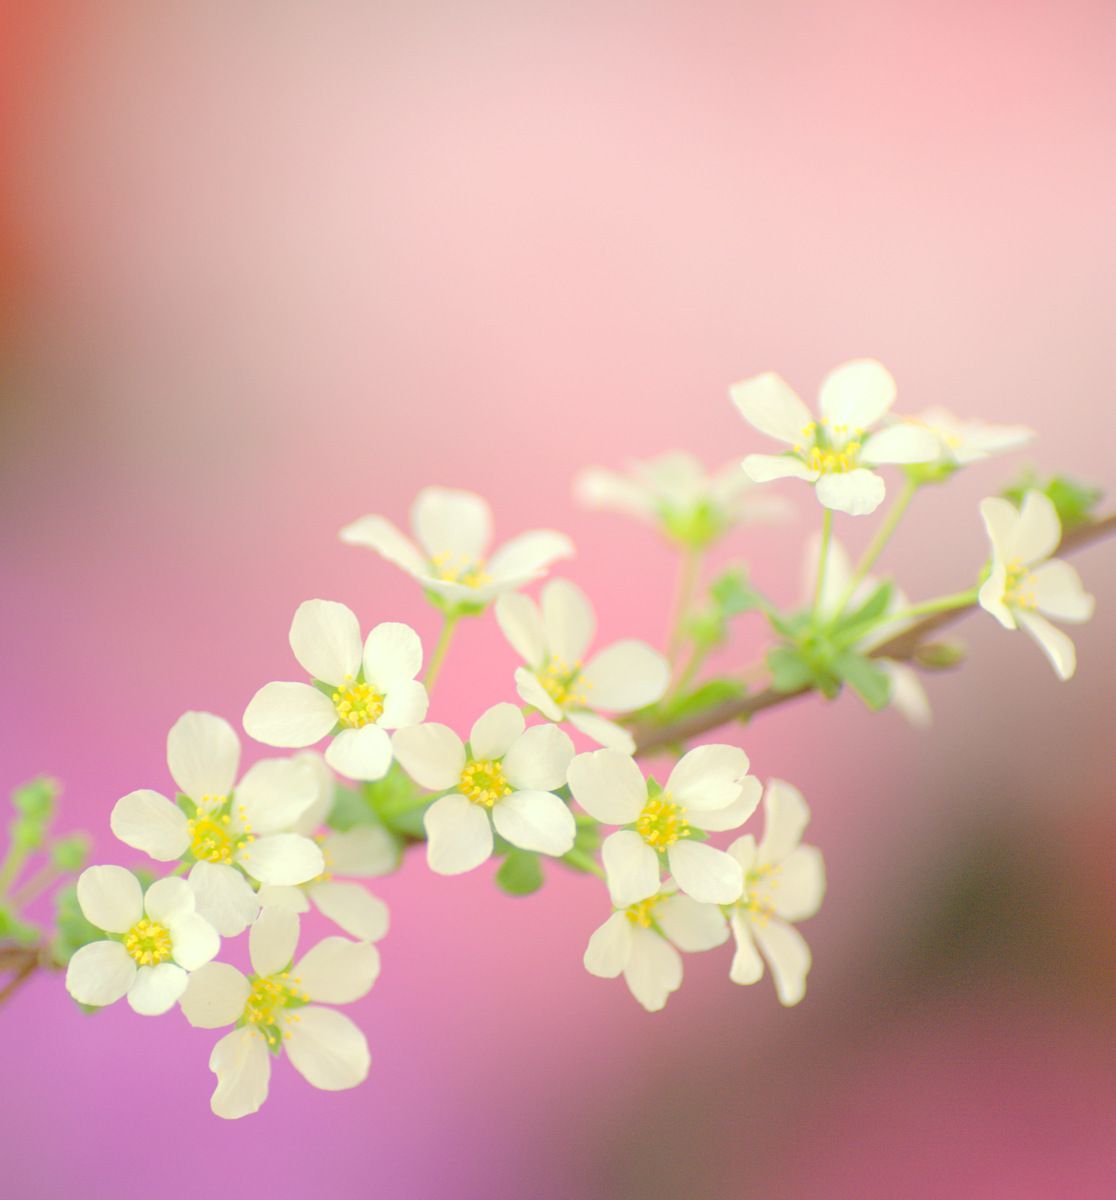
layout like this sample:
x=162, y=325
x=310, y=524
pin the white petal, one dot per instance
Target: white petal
x=311, y=762
x=1056, y=645
x=539, y=759
x=406, y=704
x=908, y=696
x=325, y=638
x=459, y=835
x=733, y=815
x=901, y=443
x=709, y=777
x=856, y=394
x=215, y=996
x=203, y=754
x=764, y=468
x=327, y=1049
x=858, y=493
x=243, y=1068
x=787, y=955
x=691, y=926
x=272, y=940
x=100, y=973
x=654, y=969
x=110, y=897
x=169, y=899
x=568, y=620
x=608, y=785
x=353, y=908
x=289, y=714
x=747, y=966
x=607, y=953
x=392, y=655
x=274, y=794
x=224, y=897
x=786, y=815
x=363, y=753
x=744, y=851
x=521, y=623
x=283, y=896
x=532, y=692
x=631, y=866
x=597, y=488
x=156, y=990
x=453, y=523
x=283, y=858
x=379, y=534
x=433, y=755
x=1037, y=531
x=1000, y=517
x=1059, y=592
x=361, y=853
x=494, y=731
x=526, y=557
x=603, y=731
x=626, y=676
x=337, y=971
x=708, y=875
x=149, y=822
x=801, y=884
x=770, y=404
x=991, y=596
x=535, y=821
x=194, y=941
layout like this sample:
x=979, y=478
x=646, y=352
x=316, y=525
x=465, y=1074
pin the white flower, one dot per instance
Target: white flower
x=364, y=690
x=275, y=1010
x=836, y=452
x=642, y=943
x=675, y=493
x=553, y=640
x=159, y=939
x=908, y=696
x=506, y=776
x=233, y=828
x=961, y=442
x=1025, y=581
x=451, y=560
x=784, y=882
x=709, y=789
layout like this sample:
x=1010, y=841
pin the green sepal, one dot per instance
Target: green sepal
x=455, y=609
x=187, y=805
x=696, y=527
x=520, y=873
x=870, y=682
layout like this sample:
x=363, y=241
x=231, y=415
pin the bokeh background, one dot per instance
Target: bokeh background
x=267, y=267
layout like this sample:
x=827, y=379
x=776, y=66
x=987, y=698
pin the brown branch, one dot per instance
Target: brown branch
x=903, y=646
x=23, y=962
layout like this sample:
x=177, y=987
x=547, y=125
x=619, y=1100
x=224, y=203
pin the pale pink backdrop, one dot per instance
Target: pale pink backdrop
x=272, y=268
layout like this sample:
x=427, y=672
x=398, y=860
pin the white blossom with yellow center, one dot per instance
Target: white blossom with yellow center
x=504, y=778
x=1026, y=585
x=709, y=790
x=784, y=882
x=836, y=451
x=553, y=638
x=961, y=442
x=159, y=938
x=232, y=830
x=277, y=1010
x=362, y=690
x=641, y=942
x=451, y=560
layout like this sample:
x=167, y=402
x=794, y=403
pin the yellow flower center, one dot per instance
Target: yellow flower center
x=453, y=568
x=642, y=914
x=830, y=451
x=483, y=782
x=148, y=942
x=268, y=1003
x=358, y=705
x=760, y=885
x=662, y=822
x=562, y=683
x=1017, y=586
x=214, y=838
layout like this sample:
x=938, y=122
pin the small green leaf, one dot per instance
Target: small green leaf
x=789, y=669
x=708, y=695
x=870, y=682
x=520, y=873
x=873, y=608
x=1075, y=501
x=734, y=595
x=350, y=808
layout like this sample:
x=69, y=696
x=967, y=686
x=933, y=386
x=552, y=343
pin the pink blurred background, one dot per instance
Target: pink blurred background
x=270, y=267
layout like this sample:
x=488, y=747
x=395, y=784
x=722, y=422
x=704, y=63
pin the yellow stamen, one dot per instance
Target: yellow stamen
x=215, y=838
x=662, y=822
x=483, y=782
x=455, y=569
x=148, y=942
x=358, y=705
x=563, y=684
x=1018, y=591
x=758, y=900
x=642, y=914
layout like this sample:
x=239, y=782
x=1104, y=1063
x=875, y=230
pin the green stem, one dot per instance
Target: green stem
x=11, y=867
x=823, y=557
x=47, y=874
x=942, y=604
x=449, y=624
x=689, y=575
x=876, y=546
x=581, y=861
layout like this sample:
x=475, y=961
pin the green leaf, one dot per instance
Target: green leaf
x=350, y=808
x=789, y=669
x=520, y=873
x=870, y=682
x=873, y=608
x=1074, y=500
x=74, y=931
x=734, y=595
x=708, y=695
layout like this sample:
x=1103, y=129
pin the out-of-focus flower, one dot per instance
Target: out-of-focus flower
x=277, y=1009
x=961, y=442
x=708, y=790
x=677, y=495
x=642, y=941
x=228, y=830
x=1026, y=585
x=453, y=531
x=837, y=452
x=784, y=882
x=159, y=939
x=553, y=638
x=358, y=693
x=506, y=777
